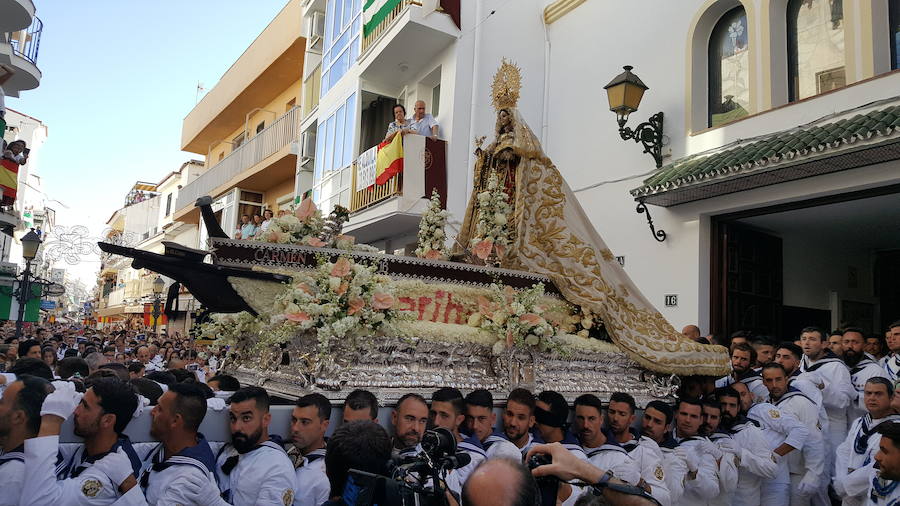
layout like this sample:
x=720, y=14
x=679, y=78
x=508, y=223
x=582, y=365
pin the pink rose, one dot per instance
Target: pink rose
x=305, y=288
x=484, y=306
x=483, y=249
x=342, y=289
x=341, y=268
x=531, y=319
x=315, y=242
x=433, y=254
x=381, y=300
x=307, y=208
x=509, y=293
x=273, y=236
x=354, y=305
x=501, y=250
x=298, y=317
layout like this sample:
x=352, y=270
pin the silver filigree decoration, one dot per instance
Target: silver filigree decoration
x=72, y=244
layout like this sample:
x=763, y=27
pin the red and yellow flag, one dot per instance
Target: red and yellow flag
x=9, y=181
x=389, y=161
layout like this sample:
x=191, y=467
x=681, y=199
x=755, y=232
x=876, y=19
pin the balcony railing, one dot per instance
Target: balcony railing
x=386, y=23
x=26, y=43
x=424, y=169
x=266, y=143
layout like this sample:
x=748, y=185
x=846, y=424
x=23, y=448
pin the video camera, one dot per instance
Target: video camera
x=415, y=480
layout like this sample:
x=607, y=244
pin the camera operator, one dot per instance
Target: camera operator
x=360, y=445
x=448, y=411
x=566, y=466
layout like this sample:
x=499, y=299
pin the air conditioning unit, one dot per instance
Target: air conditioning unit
x=308, y=145
x=316, y=30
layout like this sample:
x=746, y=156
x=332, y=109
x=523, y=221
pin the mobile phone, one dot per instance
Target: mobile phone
x=26, y=151
x=193, y=367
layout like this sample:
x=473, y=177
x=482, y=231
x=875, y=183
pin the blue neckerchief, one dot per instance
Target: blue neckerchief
x=866, y=429
x=493, y=438
x=71, y=470
x=881, y=488
x=315, y=455
x=791, y=392
x=17, y=453
x=472, y=444
x=669, y=442
x=200, y=456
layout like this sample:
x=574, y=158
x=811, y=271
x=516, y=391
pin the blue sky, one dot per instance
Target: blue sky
x=118, y=78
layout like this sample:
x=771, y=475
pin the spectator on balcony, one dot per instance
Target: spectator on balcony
x=400, y=125
x=267, y=220
x=422, y=123
x=17, y=152
x=246, y=230
x=257, y=223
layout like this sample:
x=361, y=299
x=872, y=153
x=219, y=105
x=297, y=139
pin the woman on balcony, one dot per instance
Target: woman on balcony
x=400, y=125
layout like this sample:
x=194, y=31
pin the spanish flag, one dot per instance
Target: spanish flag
x=9, y=181
x=389, y=162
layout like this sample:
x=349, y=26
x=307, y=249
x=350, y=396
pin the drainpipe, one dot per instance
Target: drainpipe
x=476, y=72
x=545, y=120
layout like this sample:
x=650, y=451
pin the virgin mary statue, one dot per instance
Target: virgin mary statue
x=550, y=234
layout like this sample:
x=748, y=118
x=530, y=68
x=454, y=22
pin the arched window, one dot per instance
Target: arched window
x=815, y=32
x=729, y=68
x=894, y=6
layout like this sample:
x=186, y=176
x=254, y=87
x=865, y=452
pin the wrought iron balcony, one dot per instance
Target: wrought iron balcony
x=26, y=43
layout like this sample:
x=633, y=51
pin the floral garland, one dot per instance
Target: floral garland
x=491, y=230
x=306, y=226
x=515, y=316
x=432, y=241
x=340, y=299
x=583, y=323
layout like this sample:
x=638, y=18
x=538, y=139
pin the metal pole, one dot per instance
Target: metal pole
x=155, y=315
x=24, y=296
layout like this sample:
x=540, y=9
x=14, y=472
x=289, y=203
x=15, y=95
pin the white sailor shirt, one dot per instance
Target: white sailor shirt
x=675, y=468
x=851, y=478
x=704, y=485
x=162, y=481
x=649, y=459
x=891, y=364
x=313, y=488
x=754, y=462
x=457, y=478
x=12, y=476
x=727, y=471
x=497, y=446
x=780, y=427
x=262, y=476
x=83, y=485
x=813, y=454
x=614, y=458
x=837, y=394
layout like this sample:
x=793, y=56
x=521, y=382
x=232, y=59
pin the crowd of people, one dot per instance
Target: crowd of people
x=794, y=423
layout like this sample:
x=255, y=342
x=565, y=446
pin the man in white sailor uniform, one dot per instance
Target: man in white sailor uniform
x=836, y=386
x=253, y=469
x=702, y=480
x=20, y=419
x=518, y=420
x=790, y=356
x=891, y=361
x=643, y=450
x=753, y=456
x=92, y=472
x=724, y=450
x=851, y=478
x=884, y=474
x=598, y=443
x=657, y=419
x=743, y=356
x=785, y=435
x=807, y=470
x=309, y=423
x=447, y=410
x=183, y=456
x=480, y=422
x=862, y=367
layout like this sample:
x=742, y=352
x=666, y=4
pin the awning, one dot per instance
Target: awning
x=848, y=140
x=118, y=309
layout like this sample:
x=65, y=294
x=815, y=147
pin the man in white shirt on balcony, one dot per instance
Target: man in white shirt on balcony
x=422, y=123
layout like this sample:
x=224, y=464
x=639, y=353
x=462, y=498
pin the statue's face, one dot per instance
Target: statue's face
x=504, y=118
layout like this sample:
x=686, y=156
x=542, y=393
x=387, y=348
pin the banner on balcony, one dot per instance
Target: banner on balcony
x=366, y=168
x=9, y=181
x=390, y=160
x=374, y=12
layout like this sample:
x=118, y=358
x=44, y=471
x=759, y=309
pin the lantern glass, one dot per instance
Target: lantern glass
x=30, y=244
x=158, y=285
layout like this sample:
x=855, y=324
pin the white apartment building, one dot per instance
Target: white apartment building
x=779, y=191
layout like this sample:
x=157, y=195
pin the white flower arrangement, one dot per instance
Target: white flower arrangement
x=302, y=225
x=491, y=229
x=432, y=240
x=340, y=299
x=516, y=317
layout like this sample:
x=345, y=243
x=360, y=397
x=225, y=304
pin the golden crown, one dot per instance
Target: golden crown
x=506, y=86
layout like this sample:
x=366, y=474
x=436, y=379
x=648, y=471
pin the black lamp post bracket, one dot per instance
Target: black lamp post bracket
x=659, y=235
x=649, y=134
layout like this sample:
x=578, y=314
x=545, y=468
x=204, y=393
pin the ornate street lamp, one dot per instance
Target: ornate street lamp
x=30, y=244
x=624, y=93
x=158, y=286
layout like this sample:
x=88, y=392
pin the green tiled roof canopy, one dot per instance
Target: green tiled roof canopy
x=772, y=155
